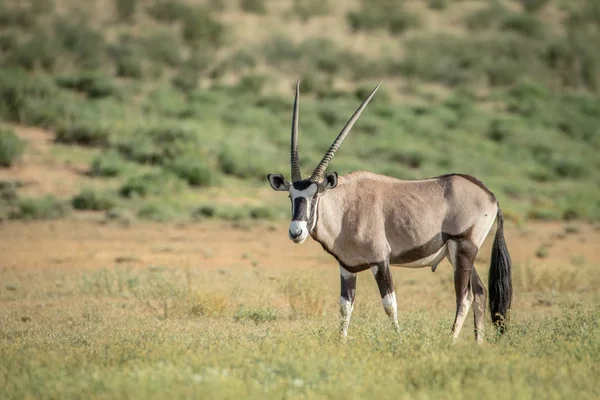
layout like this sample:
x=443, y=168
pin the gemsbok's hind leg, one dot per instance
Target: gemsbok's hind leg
x=480, y=295
x=385, y=283
x=348, y=292
x=462, y=257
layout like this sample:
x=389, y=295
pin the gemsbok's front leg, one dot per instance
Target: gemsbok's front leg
x=385, y=283
x=348, y=292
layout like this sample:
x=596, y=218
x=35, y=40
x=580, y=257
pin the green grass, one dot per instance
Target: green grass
x=179, y=332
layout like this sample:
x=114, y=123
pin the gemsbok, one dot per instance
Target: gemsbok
x=366, y=220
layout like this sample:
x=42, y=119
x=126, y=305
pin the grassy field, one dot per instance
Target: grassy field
x=143, y=254
x=213, y=311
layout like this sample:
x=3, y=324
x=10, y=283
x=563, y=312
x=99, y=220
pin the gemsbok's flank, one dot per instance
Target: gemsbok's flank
x=366, y=220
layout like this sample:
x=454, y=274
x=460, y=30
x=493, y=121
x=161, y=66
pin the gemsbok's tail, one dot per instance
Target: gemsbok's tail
x=500, y=280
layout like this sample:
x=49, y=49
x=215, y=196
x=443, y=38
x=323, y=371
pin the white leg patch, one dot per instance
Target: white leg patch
x=346, y=308
x=374, y=269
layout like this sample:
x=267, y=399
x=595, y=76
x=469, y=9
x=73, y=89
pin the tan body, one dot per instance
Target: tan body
x=369, y=217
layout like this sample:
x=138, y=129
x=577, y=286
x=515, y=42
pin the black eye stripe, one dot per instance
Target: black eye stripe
x=299, y=209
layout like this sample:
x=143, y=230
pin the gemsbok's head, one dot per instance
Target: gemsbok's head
x=304, y=193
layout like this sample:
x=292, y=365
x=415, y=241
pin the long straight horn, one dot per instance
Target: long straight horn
x=317, y=175
x=295, y=161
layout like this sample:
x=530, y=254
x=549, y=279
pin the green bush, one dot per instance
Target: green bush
x=127, y=54
x=40, y=51
x=11, y=147
x=200, y=27
x=158, y=144
x=246, y=160
x=126, y=9
x=186, y=79
x=93, y=84
x=192, y=170
x=21, y=95
x=157, y=212
x=533, y=6
x=152, y=183
x=382, y=14
x=163, y=47
x=83, y=133
x=168, y=10
x=253, y=6
x=307, y=9
x=90, y=199
x=46, y=207
x=108, y=164
x=86, y=45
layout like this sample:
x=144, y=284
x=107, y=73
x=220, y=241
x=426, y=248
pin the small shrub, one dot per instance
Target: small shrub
x=168, y=102
x=40, y=208
x=186, y=79
x=244, y=161
x=253, y=6
x=158, y=144
x=438, y=4
x=168, y=10
x=192, y=170
x=524, y=24
x=542, y=252
x=534, y=6
x=565, y=168
x=382, y=14
x=157, y=212
x=40, y=51
x=204, y=212
x=83, y=133
x=208, y=304
x=307, y=9
x=127, y=54
x=89, y=199
x=109, y=164
x=11, y=147
x=163, y=47
x=85, y=44
x=262, y=213
x=279, y=50
x=8, y=191
x=201, y=27
x=126, y=9
x=93, y=84
x=21, y=95
x=152, y=183
x=257, y=315
x=251, y=83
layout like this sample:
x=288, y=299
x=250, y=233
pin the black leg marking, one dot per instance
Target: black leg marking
x=385, y=283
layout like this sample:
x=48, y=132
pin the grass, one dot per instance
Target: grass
x=187, y=331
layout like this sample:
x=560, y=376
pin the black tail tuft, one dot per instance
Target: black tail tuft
x=500, y=280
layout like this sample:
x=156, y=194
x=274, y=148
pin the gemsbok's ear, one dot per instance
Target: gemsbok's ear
x=330, y=181
x=278, y=182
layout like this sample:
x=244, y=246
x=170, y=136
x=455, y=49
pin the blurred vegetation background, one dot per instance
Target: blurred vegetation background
x=178, y=109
